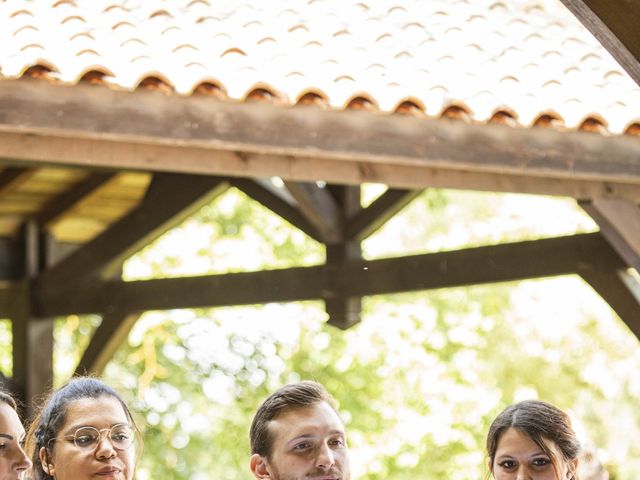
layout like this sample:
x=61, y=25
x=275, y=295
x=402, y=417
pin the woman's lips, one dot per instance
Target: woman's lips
x=108, y=472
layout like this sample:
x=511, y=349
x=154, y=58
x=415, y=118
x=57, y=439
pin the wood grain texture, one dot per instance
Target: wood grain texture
x=98, y=127
x=615, y=24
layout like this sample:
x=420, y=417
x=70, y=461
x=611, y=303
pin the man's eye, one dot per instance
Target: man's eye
x=302, y=446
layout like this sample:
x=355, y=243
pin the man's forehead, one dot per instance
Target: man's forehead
x=319, y=416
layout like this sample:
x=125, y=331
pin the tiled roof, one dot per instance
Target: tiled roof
x=520, y=62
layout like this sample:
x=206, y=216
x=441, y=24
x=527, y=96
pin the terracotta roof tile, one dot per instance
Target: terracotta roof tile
x=512, y=62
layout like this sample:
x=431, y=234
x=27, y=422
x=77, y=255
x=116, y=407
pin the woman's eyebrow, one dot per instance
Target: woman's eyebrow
x=6, y=435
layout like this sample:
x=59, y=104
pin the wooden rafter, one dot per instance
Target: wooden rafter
x=621, y=291
x=110, y=334
x=170, y=199
x=65, y=201
x=320, y=208
x=619, y=222
x=615, y=24
x=278, y=201
x=383, y=208
x=122, y=130
x=12, y=177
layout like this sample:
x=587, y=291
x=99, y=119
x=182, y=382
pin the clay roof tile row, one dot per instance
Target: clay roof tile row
x=522, y=62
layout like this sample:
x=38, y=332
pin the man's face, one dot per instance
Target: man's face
x=307, y=444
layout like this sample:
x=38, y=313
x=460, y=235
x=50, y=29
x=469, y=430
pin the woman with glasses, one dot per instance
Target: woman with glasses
x=13, y=461
x=84, y=431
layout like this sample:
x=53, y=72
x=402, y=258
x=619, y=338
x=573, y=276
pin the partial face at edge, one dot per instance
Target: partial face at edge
x=307, y=443
x=13, y=461
x=518, y=456
x=69, y=462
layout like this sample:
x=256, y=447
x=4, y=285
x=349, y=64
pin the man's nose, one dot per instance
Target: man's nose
x=325, y=460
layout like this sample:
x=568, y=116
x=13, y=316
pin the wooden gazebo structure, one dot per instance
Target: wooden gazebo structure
x=117, y=121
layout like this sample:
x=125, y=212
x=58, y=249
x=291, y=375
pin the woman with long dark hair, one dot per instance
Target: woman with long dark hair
x=532, y=440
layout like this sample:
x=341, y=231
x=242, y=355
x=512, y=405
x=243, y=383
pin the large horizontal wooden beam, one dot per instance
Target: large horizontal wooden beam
x=615, y=24
x=499, y=263
x=98, y=127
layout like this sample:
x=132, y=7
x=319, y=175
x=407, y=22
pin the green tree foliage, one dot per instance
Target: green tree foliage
x=418, y=381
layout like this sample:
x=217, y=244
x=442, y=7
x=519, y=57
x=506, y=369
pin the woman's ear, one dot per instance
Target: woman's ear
x=259, y=466
x=47, y=464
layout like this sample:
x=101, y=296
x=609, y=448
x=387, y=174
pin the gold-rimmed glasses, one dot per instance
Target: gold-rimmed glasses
x=121, y=436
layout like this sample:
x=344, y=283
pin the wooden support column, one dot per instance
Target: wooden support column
x=32, y=337
x=344, y=311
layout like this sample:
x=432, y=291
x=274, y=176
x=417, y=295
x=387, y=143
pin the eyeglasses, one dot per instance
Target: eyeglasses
x=121, y=437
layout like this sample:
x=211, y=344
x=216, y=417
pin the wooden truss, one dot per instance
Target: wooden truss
x=197, y=147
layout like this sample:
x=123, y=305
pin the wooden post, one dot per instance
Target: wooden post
x=32, y=337
x=344, y=311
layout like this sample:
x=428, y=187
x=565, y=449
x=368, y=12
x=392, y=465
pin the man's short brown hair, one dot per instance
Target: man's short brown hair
x=290, y=397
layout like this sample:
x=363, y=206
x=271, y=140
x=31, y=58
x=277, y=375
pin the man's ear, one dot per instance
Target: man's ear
x=259, y=466
x=47, y=464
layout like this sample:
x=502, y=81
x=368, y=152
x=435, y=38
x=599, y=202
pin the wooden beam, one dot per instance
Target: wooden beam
x=320, y=208
x=108, y=337
x=498, y=263
x=98, y=127
x=619, y=222
x=621, y=291
x=615, y=24
x=12, y=177
x=169, y=200
x=278, y=201
x=65, y=201
x=382, y=209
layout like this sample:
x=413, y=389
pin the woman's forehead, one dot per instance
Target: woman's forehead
x=102, y=411
x=9, y=421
